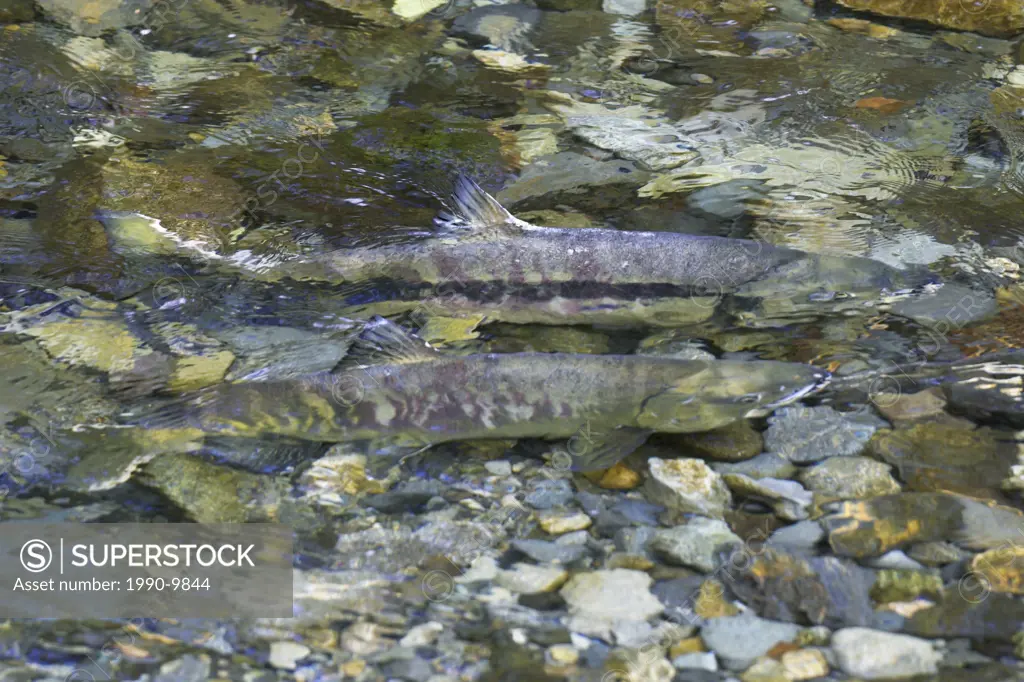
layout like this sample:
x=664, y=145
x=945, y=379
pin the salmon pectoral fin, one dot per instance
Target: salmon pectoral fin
x=384, y=342
x=384, y=453
x=594, y=448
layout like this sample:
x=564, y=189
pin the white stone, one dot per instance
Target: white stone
x=687, y=485
x=414, y=9
x=874, y=654
x=285, y=655
x=626, y=8
x=424, y=634
x=600, y=599
x=499, y=467
x=530, y=579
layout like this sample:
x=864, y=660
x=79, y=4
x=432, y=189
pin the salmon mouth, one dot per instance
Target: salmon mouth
x=821, y=380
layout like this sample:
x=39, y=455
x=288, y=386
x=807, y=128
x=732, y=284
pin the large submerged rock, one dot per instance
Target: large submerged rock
x=1002, y=18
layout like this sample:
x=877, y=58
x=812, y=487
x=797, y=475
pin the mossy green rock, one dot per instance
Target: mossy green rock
x=736, y=442
x=212, y=493
x=901, y=585
x=954, y=456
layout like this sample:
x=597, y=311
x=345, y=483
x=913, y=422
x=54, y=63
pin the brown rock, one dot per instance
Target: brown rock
x=1000, y=18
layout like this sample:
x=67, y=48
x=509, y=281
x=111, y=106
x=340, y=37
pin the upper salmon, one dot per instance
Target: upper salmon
x=502, y=268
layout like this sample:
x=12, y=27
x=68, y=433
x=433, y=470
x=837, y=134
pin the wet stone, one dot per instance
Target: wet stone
x=897, y=585
x=955, y=457
x=558, y=522
x=634, y=540
x=1000, y=18
x=738, y=641
x=530, y=579
x=894, y=559
x=875, y=526
x=550, y=493
x=687, y=485
x=788, y=499
x=503, y=26
x=811, y=434
x=800, y=535
x=790, y=587
x=411, y=497
x=596, y=604
x=545, y=551
x=736, y=442
x=870, y=654
x=1000, y=570
x=805, y=664
x=849, y=477
x=765, y=465
x=696, y=661
x=696, y=545
x=93, y=18
x=285, y=655
x=903, y=407
x=935, y=553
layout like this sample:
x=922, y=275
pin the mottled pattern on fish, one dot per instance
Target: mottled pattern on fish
x=505, y=396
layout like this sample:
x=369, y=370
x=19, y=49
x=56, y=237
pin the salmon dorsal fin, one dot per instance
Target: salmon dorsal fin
x=384, y=342
x=477, y=214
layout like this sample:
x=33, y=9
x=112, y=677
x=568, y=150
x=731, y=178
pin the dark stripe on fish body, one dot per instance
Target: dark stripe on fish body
x=496, y=292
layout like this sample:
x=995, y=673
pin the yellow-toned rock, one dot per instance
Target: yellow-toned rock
x=711, y=602
x=690, y=645
x=619, y=477
x=805, y=664
x=1001, y=18
x=557, y=523
x=341, y=472
x=765, y=669
x=868, y=28
x=191, y=373
x=1001, y=569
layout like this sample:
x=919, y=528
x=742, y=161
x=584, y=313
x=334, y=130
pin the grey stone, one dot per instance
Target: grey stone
x=186, y=669
x=811, y=434
x=788, y=499
x=506, y=27
x=545, y=551
x=531, y=579
x=739, y=640
x=850, y=478
x=701, y=661
x=952, y=306
x=765, y=465
x=634, y=540
x=687, y=485
x=550, y=493
x=570, y=172
x=697, y=544
x=894, y=559
x=656, y=146
x=800, y=535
